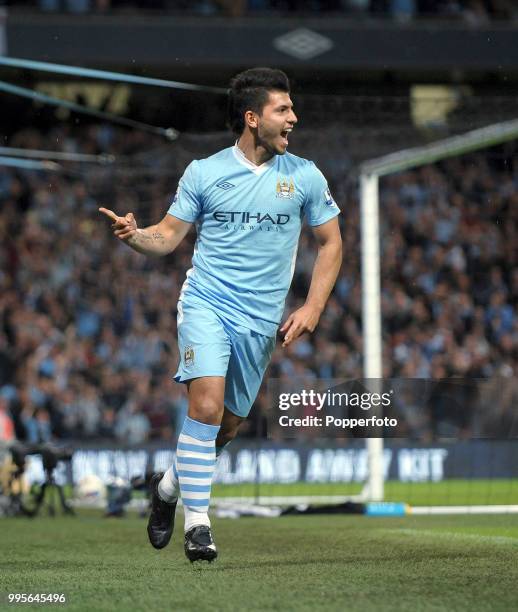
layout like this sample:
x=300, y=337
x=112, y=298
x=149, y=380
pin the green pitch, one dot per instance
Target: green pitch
x=452, y=492
x=294, y=563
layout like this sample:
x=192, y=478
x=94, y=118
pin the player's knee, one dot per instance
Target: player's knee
x=206, y=410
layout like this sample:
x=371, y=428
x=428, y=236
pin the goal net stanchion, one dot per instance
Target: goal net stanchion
x=370, y=173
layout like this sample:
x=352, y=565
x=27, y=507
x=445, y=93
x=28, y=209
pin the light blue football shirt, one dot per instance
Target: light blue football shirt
x=248, y=219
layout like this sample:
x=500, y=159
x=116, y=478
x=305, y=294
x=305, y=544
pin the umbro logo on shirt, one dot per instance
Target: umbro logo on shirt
x=224, y=185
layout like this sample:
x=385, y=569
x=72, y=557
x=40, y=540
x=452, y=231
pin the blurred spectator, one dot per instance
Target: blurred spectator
x=132, y=425
x=37, y=425
x=6, y=422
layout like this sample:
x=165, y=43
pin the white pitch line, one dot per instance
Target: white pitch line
x=495, y=509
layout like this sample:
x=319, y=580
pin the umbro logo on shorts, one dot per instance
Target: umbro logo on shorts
x=224, y=185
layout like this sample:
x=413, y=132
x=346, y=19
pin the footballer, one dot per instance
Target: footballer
x=247, y=203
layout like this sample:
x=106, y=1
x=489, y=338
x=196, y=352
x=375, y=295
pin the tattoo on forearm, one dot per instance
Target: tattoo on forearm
x=147, y=240
x=158, y=237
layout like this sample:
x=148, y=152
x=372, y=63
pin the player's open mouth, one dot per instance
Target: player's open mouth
x=284, y=135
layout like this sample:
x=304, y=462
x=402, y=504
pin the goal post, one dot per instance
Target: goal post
x=371, y=318
x=370, y=173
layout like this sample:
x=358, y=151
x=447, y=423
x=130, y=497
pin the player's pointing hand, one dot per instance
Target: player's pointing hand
x=123, y=227
x=303, y=320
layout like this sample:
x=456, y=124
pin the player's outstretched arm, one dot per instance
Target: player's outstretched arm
x=159, y=239
x=323, y=278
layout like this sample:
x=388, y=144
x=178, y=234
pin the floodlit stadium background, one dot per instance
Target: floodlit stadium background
x=87, y=326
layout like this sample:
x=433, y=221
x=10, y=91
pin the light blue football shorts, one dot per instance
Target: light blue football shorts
x=211, y=345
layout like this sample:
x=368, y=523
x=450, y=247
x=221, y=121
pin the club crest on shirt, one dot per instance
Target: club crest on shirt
x=188, y=356
x=285, y=188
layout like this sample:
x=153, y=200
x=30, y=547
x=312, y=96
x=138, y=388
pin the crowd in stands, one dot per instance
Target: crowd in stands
x=88, y=327
x=471, y=11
